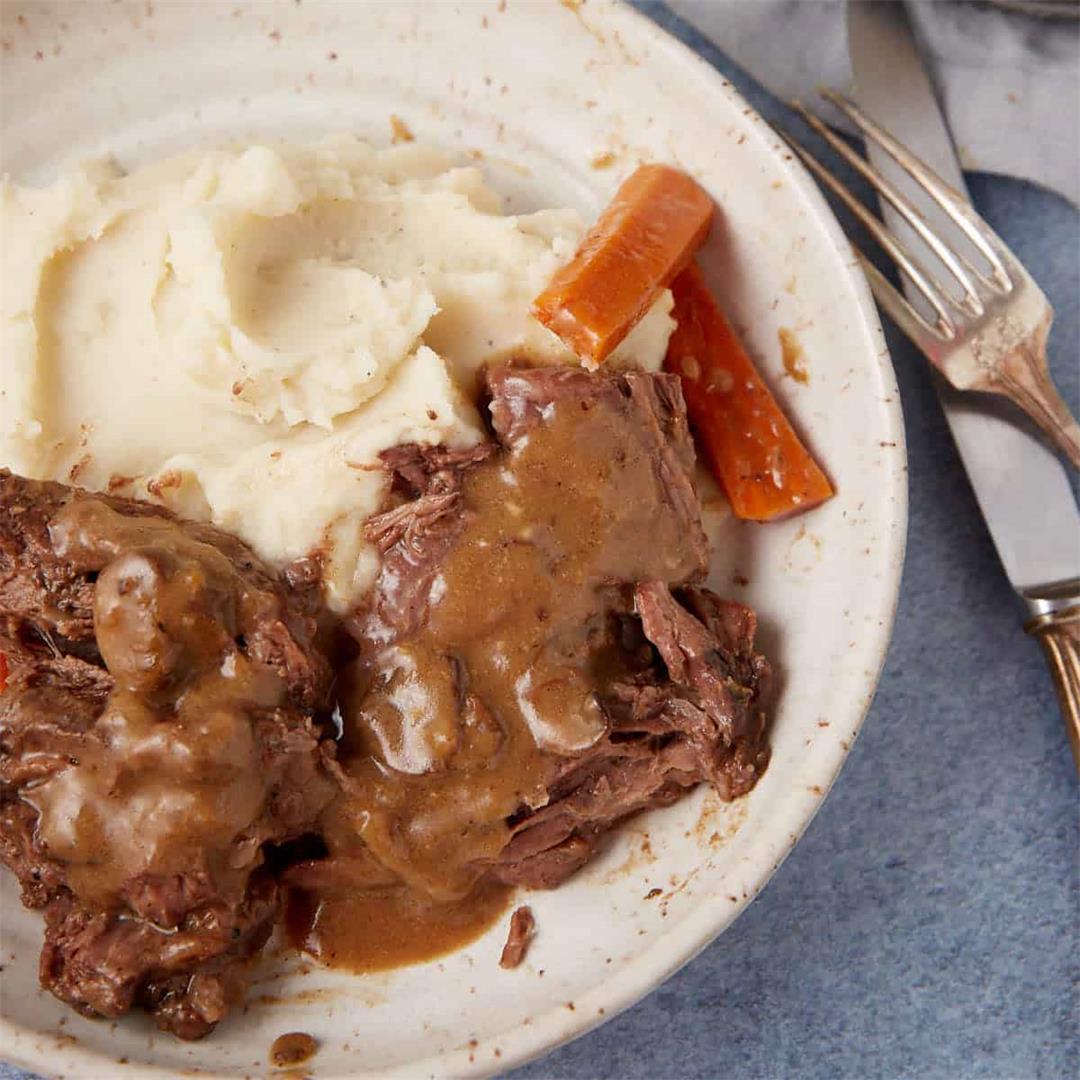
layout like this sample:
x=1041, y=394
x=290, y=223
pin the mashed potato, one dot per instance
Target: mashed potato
x=238, y=334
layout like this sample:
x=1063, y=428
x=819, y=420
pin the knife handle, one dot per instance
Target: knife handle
x=1059, y=633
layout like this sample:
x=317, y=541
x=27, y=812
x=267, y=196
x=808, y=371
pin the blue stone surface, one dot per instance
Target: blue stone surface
x=927, y=924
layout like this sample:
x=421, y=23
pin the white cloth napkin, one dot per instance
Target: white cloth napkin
x=1009, y=83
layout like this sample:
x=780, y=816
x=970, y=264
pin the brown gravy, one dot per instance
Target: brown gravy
x=384, y=928
x=792, y=355
x=450, y=731
x=293, y=1048
x=173, y=775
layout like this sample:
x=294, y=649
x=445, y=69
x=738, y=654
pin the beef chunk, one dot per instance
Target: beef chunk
x=527, y=677
x=159, y=725
x=49, y=593
x=414, y=534
x=652, y=410
x=692, y=715
x=714, y=678
x=104, y=963
x=519, y=938
x=427, y=512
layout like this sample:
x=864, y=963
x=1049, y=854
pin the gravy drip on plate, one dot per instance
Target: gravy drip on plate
x=292, y=1048
x=389, y=926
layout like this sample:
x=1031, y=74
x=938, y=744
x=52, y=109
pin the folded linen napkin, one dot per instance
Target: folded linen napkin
x=1009, y=82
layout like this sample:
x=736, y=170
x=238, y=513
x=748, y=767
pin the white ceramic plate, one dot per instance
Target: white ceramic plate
x=545, y=92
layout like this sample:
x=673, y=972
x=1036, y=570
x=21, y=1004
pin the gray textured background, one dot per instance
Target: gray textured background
x=926, y=925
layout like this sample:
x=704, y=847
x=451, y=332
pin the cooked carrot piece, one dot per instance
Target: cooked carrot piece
x=742, y=433
x=648, y=233
x=3, y=672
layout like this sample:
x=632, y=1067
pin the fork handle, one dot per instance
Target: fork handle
x=1059, y=633
x=1025, y=378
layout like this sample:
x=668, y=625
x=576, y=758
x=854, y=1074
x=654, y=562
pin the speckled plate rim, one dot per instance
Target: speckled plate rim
x=669, y=954
x=675, y=948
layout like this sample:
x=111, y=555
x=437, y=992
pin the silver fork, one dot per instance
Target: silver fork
x=988, y=336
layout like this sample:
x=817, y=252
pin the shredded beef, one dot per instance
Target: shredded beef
x=519, y=937
x=170, y=918
x=158, y=669
x=694, y=715
x=104, y=963
x=676, y=675
x=414, y=534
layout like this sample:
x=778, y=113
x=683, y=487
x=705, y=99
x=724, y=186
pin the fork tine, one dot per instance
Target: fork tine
x=948, y=198
x=920, y=277
x=899, y=309
x=957, y=265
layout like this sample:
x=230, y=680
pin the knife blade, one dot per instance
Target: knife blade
x=1022, y=488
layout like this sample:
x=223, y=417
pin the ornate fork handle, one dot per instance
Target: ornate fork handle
x=1021, y=374
x=1058, y=630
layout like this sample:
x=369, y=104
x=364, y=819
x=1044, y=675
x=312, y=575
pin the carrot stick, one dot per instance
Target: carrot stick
x=648, y=233
x=744, y=436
